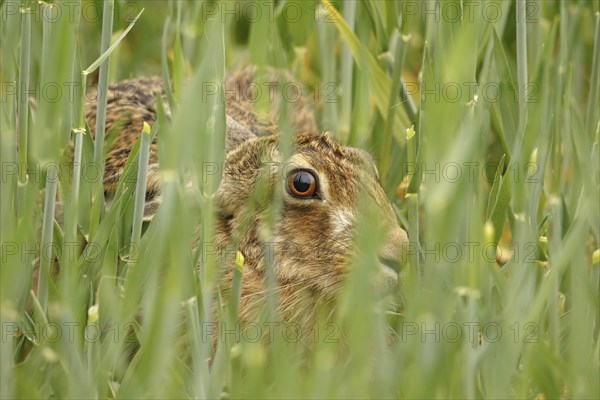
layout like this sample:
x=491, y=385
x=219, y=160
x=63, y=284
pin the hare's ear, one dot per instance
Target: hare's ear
x=236, y=134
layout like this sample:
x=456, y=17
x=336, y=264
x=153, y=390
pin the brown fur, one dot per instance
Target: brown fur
x=310, y=245
x=129, y=104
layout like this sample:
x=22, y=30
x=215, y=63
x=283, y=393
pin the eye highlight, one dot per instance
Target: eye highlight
x=302, y=184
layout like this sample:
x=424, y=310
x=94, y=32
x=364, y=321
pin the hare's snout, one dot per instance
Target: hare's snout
x=390, y=256
x=389, y=271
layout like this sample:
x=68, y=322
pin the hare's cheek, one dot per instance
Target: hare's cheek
x=342, y=222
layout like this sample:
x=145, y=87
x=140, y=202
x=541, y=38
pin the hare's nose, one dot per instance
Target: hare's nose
x=392, y=263
x=394, y=246
x=391, y=255
x=388, y=273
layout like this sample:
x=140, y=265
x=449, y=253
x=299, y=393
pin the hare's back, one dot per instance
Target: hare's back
x=130, y=103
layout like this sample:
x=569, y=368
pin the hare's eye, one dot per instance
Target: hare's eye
x=302, y=184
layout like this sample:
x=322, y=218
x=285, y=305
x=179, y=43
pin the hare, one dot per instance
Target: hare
x=310, y=245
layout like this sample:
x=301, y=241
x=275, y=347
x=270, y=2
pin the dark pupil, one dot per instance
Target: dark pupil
x=302, y=182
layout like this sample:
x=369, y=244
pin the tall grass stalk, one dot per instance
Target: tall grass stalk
x=140, y=196
x=327, y=38
x=46, y=33
x=107, y=27
x=166, y=76
x=592, y=109
x=199, y=364
x=47, y=257
x=401, y=44
x=346, y=66
x=77, y=130
x=523, y=83
x=23, y=102
x=407, y=101
x=413, y=206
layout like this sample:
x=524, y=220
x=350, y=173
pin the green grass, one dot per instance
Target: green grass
x=468, y=328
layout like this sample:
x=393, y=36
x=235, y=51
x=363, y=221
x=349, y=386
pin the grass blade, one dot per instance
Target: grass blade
x=106, y=51
x=23, y=102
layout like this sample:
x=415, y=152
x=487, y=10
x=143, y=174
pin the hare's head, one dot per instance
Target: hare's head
x=321, y=188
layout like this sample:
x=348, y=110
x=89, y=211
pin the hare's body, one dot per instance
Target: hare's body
x=321, y=184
